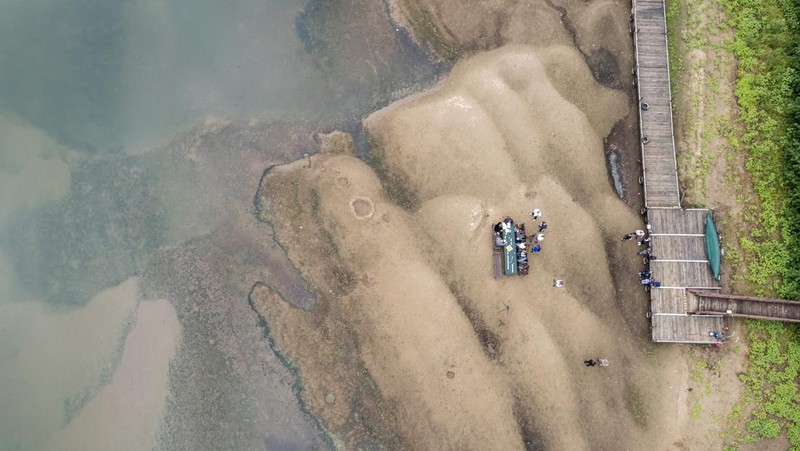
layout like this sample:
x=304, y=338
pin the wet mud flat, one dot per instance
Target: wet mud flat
x=181, y=215
x=285, y=346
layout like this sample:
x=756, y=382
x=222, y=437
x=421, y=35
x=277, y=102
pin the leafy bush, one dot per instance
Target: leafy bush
x=767, y=46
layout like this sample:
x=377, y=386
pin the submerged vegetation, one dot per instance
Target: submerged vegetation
x=428, y=31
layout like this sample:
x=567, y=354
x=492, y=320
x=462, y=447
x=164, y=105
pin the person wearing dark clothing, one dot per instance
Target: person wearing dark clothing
x=628, y=237
x=644, y=274
x=543, y=226
x=589, y=362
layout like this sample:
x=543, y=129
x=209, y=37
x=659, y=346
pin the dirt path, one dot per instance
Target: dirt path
x=712, y=173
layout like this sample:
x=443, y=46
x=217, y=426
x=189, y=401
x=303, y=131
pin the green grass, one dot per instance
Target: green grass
x=766, y=40
x=696, y=410
x=694, y=25
x=700, y=368
x=771, y=381
x=766, y=45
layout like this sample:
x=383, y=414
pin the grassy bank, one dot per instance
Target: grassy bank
x=766, y=38
x=766, y=45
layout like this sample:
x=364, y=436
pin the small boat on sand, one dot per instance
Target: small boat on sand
x=510, y=251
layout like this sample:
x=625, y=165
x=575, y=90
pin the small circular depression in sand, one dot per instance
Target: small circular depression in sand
x=362, y=207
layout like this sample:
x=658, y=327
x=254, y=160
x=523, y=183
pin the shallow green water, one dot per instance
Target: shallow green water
x=101, y=180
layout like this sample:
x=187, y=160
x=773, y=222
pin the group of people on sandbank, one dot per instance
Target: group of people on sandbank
x=535, y=241
x=522, y=242
x=643, y=237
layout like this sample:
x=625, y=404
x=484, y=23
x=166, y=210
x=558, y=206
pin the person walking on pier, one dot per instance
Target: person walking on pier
x=651, y=282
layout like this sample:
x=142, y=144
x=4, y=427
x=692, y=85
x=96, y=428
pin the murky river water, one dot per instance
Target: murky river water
x=133, y=136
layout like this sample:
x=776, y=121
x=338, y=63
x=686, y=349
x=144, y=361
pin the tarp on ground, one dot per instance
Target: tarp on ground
x=712, y=246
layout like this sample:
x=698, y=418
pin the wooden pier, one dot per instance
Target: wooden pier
x=714, y=303
x=660, y=172
x=687, y=307
x=677, y=238
x=677, y=235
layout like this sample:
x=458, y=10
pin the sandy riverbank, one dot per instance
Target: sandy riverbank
x=409, y=315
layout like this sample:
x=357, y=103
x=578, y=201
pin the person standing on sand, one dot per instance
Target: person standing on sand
x=536, y=213
x=498, y=228
x=543, y=226
x=536, y=249
x=540, y=237
x=558, y=283
x=628, y=237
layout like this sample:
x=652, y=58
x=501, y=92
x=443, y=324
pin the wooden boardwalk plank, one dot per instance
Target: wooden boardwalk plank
x=685, y=329
x=675, y=247
x=677, y=221
x=676, y=234
x=658, y=162
x=746, y=306
x=667, y=300
x=683, y=274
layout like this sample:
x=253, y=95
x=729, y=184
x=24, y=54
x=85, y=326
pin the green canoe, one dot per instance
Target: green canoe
x=712, y=247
